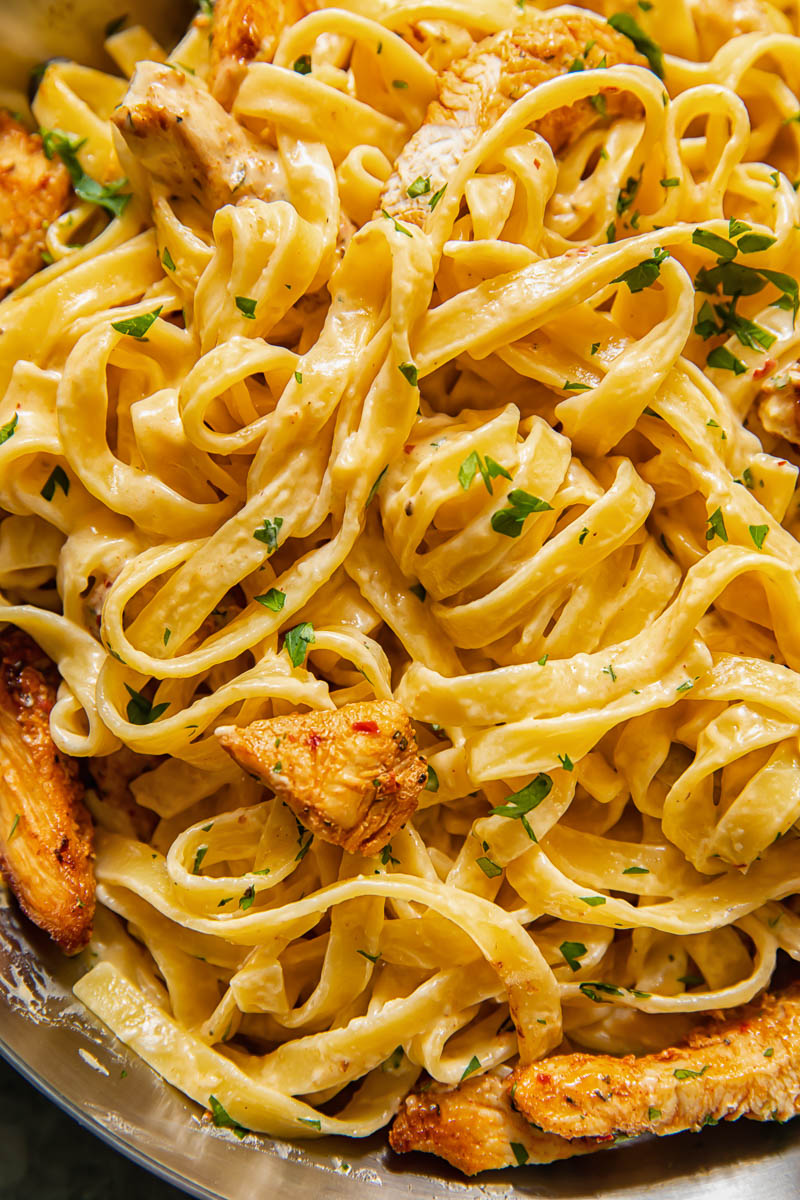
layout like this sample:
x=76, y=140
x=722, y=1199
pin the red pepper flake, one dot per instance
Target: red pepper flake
x=364, y=726
x=314, y=740
x=409, y=446
x=769, y=364
x=544, y=1079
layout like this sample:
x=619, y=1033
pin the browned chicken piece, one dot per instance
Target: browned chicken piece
x=778, y=403
x=474, y=1127
x=114, y=805
x=45, y=830
x=743, y=1064
x=352, y=775
x=33, y=192
x=718, y=21
x=243, y=31
x=477, y=90
x=190, y=144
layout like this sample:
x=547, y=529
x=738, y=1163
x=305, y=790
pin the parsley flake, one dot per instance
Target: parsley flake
x=572, y=952
x=7, y=430
x=247, y=307
x=473, y=1065
x=636, y=871
x=489, y=868
x=519, y=1152
x=14, y=825
x=223, y=1120
x=140, y=711
x=687, y=1073
x=432, y=782
x=166, y=259
x=302, y=65
x=420, y=187
x=137, y=327
x=105, y=195
x=509, y=521
x=625, y=24
x=57, y=478
x=409, y=373
x=758, y=533
x=202, y=851
x=645, y=273
x=274, y=599
x=716, y=526
x=566, y=762
x=593, y=901
x=268, y=534
x=296, y=642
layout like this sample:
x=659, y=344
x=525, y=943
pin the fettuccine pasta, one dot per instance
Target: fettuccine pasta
x=494, y=405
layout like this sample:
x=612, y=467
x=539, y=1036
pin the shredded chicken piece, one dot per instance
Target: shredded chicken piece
x=352, y=775
x=778, y=404
x=113, y=805
x=45, y=830
x=33, y=192
x=187, y=141
x=478, y=88
x=243, y=31
x=718, y=21
x=745, y=1063
x=474, y=1127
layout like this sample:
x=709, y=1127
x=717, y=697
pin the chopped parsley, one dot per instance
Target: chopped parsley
x=645, y=273
x=520, y=803
x=768, y=1053
x=7, y=430
x=654, y=1114
x=716, y=526
x=625, y=24
x=298, y=377
x=302, y=64
x=373, y=490
x=687, y=1073
x=166, y=259
x=105, y=195
x=473, y=1065
x=758, y=533
x=268, y=533
x=598, y=103
x=247, y=307
x=519, y=1152
x=167, y=634
x=296, y=642
x=398, y=227
x=202, y=851
x=489, y=868
x=593, y=901
x=595, y=991
x=488, y=468
x=432, y=782
x=409, y=373
x=223, y=1120
x=399, y=83
x=57, y=478
x=274, y=599
x=140, y=711
x=509, y=521
x=420, y=187
x=137, y=327
x=436, y=197
x=14, y=825
x=724, y=360
x=247, y=898
x=572, y=952
x=720, y=246
x=373, y=958
x=566, y=762
x=636, y=871
x=672, y=182
x=575, y=387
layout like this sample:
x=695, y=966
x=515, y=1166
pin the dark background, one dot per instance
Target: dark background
x=45, y=1155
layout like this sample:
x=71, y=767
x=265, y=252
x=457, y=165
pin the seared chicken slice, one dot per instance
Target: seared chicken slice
x=190, y=144
x=477, y=90
x=352, y=775
x=113, y=804
x=33, y=192
x=45, y=830
x=474, y=1127
x=778, y=404
x=743, y=1064
x=243, y=31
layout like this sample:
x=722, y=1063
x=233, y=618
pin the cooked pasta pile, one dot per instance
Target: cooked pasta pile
x=495, y=431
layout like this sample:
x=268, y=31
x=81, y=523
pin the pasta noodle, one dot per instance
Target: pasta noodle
x=506, y=447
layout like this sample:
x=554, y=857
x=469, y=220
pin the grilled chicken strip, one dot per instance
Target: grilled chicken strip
x=33, y=192
x=477, y=90
x=352, y=776
x=243, y=31
x=474, y=1127
x=743, y=1064
x=45, y=830
x=190, y=144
